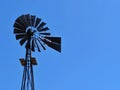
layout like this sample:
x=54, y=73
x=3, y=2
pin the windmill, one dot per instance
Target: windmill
x=33, y=34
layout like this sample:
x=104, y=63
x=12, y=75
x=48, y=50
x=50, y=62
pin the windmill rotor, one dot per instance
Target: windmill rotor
x=32, y=32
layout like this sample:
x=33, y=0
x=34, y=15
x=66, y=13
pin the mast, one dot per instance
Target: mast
x=28, y=76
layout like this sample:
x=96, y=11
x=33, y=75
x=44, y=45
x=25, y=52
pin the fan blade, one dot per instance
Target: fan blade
x=22, y=41
x=28, y=19
x=37, y=45
x=20, y=36
x=37, y=22
x=20, y=22
x=33, y=20
x=17, y=31
x=54, y=39
x=17, y=25
x=33, y=45
x=45, y=33
x=23, y=20
x=43, y=29
x=41, y=44
x=53, y=45
x=41, y=25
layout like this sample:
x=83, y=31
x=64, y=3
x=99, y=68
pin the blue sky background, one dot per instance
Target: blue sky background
x=90, y=58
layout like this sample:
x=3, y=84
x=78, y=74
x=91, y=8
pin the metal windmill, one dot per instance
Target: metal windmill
x=32, y=32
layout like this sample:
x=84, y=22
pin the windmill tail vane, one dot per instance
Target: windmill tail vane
x=32, y=32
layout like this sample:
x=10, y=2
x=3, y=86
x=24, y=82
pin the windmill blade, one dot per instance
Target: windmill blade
x=33, y=46
x=20, y=36
x=18, y=31
x=45, y=33
x=33, y=21
x=23, y=20
x=43, y=29
x=17, y=25
x=28, y=19
x=37, y=21
x=41, y=25
x=20, y=22
x=41, y=44
x=54, y=39
x=53, y=45
x=37, y=45
x=22, y=41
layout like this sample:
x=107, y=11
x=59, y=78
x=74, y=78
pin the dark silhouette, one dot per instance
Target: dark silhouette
x=31, y=31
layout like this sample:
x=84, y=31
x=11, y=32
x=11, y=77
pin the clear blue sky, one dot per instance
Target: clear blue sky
x=90, y=58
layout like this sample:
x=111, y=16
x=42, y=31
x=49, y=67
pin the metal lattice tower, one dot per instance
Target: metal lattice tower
x=28, y=76
x=32, y=32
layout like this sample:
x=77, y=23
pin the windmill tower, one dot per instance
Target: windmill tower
x=32, y=32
